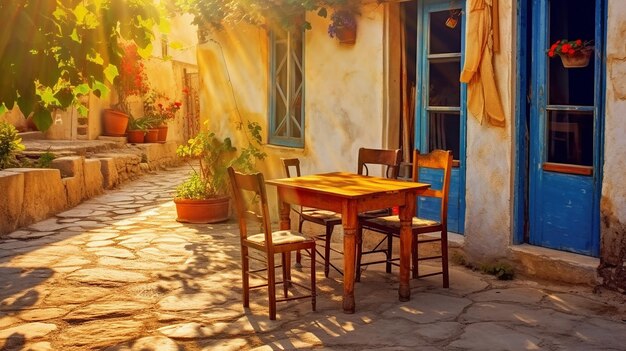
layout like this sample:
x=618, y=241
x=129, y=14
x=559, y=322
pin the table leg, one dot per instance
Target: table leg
x=349, y=221
x=284, y=210
x=406, y=236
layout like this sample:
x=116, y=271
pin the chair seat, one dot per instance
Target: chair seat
x=320, y=214
x=394, y=222
x=278, y=237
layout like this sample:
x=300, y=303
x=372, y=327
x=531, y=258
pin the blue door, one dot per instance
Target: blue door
x=440, y=108
x=565, y=124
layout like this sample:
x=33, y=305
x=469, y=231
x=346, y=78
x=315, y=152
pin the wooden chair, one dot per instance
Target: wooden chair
x=268, y=242
x=390, y=225
x=328, y=219
x=390, y=160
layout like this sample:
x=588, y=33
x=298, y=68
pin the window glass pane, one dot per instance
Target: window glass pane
x=570, y=137
x=571, y=20
x=443, y=39
x=444, y=132
x=445, y=88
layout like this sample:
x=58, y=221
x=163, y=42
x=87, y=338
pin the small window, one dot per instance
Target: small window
x=286, y=117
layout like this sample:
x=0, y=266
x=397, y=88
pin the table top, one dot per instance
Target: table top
x=348, y=185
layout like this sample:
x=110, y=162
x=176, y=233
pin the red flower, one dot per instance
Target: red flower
x=178, y=103
x=571, y=52
x=565, y=47
x=579, y=42
x=551, y=53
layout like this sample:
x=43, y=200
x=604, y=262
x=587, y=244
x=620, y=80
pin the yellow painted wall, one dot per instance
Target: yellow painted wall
x=343, y=91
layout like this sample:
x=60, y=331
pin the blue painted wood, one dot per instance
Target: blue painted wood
x=564, y=208
x=521, y=132
x=456, y=202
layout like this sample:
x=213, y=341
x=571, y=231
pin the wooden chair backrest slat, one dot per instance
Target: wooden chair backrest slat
x=389, y=158
x=436, y=159
x=254, y=184
x=291, y=162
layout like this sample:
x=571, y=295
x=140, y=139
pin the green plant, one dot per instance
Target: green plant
x=502, y=270
x=215, y=156
x=341, y=18
x=45, y=160
x=566, y=47
x=10, y=145
x=71, y=51
x=160, y=108
x=285, y=13
x=139, y=123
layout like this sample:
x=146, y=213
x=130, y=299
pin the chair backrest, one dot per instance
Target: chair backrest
x=436, y=159
x=388, y=158
x=248, y=190
x=289, y=163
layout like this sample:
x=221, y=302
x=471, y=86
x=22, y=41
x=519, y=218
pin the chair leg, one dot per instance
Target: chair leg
x=313, y=294
x=359, y=250
x=298, y=254
x=444, y=258
x=414, y=257
x=285, y=274
x=329, y=235
x=389, y=252
x=245, y=269
x=271, y=285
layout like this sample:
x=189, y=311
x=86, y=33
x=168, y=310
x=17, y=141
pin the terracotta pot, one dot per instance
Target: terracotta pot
x=203, y=211
x=152, y=135
x=579, y=60
x=135, y=136
x=346, y=35
x=162, y=133
x=114, y=122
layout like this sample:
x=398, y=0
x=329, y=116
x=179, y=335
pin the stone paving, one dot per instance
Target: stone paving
x=118, y=273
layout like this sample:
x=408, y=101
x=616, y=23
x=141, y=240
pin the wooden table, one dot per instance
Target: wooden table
x=351, y=194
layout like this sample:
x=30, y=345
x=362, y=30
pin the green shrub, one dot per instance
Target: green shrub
x=193, y=188
x=10, y=145
x=502, y=270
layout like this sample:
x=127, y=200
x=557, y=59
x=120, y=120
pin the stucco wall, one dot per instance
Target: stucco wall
x=489, y=161
x=343, y=91
x=613, y=204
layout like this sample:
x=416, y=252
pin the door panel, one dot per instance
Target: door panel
x=440, y=112
x=565, y=111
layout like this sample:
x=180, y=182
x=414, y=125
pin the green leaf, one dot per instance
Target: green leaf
x=322, y=12
x=75, y=36
x=145, y=52
x=176, y=45
x=47, y=96
x=111, y=72
x=82, y=110
x=80, y=11
x=3, y=109
x=65, y=97
x=100, y=89
x=42, y=119
x=82, y=89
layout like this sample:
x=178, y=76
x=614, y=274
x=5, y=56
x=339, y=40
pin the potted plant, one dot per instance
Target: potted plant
x=573, y=53
x=136, y=130
x=162, y=110
x=343, y=26
x=204, y=197
x=131, y=81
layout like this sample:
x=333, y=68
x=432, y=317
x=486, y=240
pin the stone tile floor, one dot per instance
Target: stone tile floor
x=119, y=273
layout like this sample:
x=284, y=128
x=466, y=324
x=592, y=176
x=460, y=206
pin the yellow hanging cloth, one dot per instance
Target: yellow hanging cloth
x=483, y=100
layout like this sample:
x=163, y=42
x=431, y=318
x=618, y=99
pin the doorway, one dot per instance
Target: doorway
x=563, y=116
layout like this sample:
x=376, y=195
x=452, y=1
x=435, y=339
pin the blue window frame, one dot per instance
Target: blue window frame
x=286, y=108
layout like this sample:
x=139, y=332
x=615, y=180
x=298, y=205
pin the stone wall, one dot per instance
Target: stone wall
x=32, y=194
x=613, y=204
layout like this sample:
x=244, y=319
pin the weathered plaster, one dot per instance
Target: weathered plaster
x=613, y=205
x=489, y=163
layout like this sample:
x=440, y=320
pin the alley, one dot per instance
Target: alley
x=119, y=273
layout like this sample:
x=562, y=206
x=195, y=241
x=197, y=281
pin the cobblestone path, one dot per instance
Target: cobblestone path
x=119, y=273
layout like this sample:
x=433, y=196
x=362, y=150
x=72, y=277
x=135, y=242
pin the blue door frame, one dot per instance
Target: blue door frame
x=547, y=194
x=429, y=208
